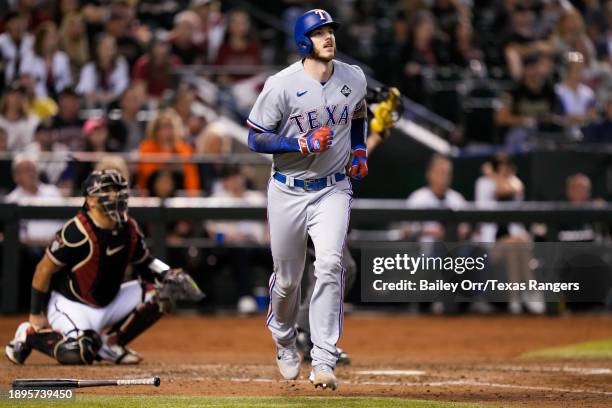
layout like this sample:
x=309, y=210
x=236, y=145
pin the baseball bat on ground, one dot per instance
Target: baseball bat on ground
x=67, y=383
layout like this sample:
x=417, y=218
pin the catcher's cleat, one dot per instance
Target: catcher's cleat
x=323, y=376
x=288, y=361
x=118, y=354
x=17, y=350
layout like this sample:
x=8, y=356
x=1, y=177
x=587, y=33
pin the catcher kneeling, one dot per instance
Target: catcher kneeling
x=81, y=310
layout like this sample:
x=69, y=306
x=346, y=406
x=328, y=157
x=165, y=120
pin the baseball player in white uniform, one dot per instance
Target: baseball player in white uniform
x=312, y=117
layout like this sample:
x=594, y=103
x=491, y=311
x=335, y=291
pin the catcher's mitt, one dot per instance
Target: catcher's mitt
x=177, y=285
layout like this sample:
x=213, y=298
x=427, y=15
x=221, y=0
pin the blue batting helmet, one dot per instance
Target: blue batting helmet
x=307, y=23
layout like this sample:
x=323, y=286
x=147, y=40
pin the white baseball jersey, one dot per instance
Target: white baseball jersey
x=292, y=104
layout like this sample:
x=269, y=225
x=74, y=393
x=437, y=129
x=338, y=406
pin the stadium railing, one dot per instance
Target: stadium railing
x=370, y=211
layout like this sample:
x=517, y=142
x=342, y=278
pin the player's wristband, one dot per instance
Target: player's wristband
x=39, y=301
x=303, y=143
x=360, y=150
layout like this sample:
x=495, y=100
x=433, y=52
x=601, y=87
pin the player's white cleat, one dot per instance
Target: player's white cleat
x=323, y=376
x=17, y=350
x=288, y=361
x=118, y=354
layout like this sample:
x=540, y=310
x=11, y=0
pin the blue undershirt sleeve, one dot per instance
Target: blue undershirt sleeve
x=358, y=133
x=267, y=142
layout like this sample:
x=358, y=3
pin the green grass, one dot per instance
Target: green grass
x=601, y=349
x=94, y=401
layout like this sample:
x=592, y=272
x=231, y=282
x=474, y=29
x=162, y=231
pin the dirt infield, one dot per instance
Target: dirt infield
x=470, y=359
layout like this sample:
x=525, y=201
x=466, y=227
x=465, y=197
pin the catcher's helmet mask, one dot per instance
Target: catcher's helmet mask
x=112, y=191
x=306, y=24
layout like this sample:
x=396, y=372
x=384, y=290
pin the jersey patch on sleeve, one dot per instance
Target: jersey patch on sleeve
x=346, y=91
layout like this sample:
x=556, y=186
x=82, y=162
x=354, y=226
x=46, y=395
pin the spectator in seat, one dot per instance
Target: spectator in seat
x=421, y=55
x=463, y=48
x=51, y=157
x=183, y=100
x=32, y=11
x=154, y=69
x=184, y=103
x=436, y=194
x=73, y=41
x=448, y=13
x=97, y=141
x=48, y=65
x=578, y=193
x=186, y=24
x=389, y=46
x=530, y=105
x=499, y=183
x=361, y=29
x=35, y=235
x=439, y=194
x=164, y=184
x=126, y=131
x=68, y=122
x=212, y=26
x=570, y=35
x=63, y=8
x=522, y=39
x=42, y=106
x=106, y=78
x=577, y=99
x=213, y=140
x=25, y=174
x=16, y=119
x=119, y=24
x=164, y=139
x=240, y=46
x=604, y=41
x=15, y=45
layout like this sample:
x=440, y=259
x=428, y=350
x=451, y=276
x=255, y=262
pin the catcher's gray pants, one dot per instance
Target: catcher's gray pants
x=294, y=213
x=308, y=284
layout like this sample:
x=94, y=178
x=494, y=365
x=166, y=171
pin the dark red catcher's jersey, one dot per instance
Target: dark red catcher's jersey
x=94, y=260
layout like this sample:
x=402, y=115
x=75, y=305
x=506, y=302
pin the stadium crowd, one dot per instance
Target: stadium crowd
x=548, y=62
x=85, y=84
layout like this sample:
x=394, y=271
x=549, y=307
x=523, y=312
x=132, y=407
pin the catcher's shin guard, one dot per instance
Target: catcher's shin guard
x=66, y=350
x=44, y=341
x=139, y=320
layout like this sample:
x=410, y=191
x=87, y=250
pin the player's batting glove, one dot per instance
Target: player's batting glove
x=317, y=141
x=359, y=166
